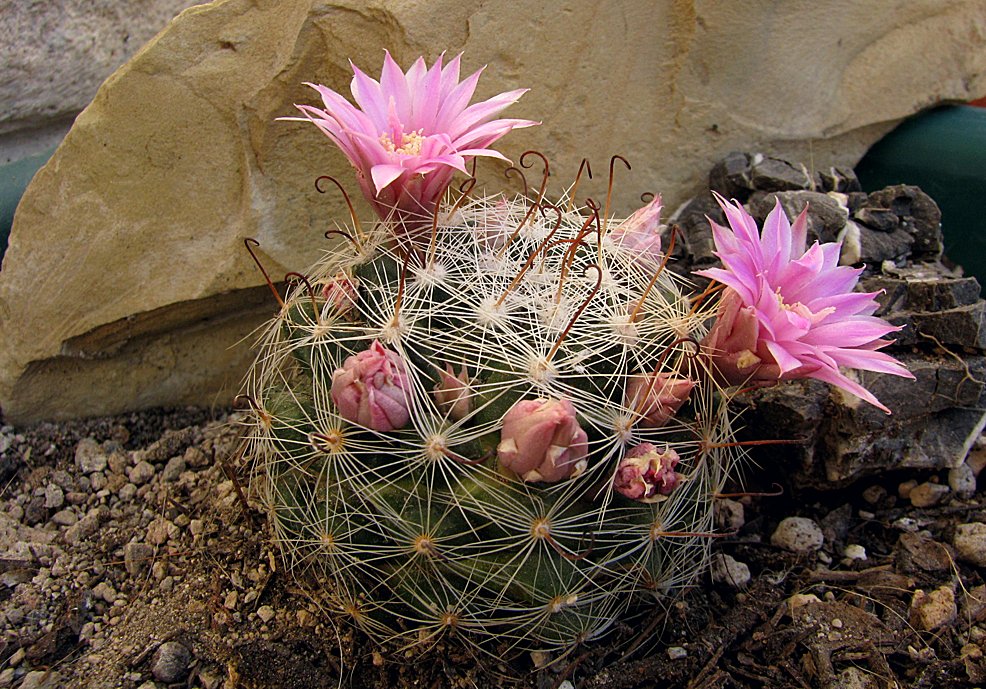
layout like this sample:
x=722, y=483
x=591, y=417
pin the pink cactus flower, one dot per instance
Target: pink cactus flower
x=646, y=474
x=657, y=397
x=371, y=389
x=452, y=394
x=640, y=235
x=410, y=132
x=341, y=293
x=788, y=312
x=542, y=440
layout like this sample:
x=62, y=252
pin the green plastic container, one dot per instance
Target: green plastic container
x=14, y=178
x=943, y=151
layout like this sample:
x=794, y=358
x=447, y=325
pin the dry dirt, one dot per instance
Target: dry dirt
x=130, y=558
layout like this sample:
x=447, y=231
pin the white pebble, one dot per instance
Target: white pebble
x=798, y=534
x=726, y=570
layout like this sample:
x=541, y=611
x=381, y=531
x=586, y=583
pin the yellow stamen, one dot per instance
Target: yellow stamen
x=411, y=143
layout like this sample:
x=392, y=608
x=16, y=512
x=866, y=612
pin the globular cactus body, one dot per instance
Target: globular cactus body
x=421, y=530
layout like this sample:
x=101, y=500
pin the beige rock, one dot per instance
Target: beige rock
x=930, y=611
x=126, y=284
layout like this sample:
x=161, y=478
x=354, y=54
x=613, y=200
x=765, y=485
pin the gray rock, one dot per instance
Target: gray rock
x=137, y=557
x=170, y=662
x=34, y=511
x=729, y=514
x=919, y=216
x=880, y=219
x=838, y=179
x=826, y=217
x=730, y=572
x=798, y=534
x=196, y=458
x=65, y=517
x=86, y=526
x=774, y=174
x=875, y=247
x=89, y=456
x=935, y=420
x=693, y=221
x=731, y=177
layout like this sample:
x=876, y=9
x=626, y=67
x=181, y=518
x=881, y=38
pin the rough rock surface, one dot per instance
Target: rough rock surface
x=894, y=234
x=126, y=273
x=58, y=52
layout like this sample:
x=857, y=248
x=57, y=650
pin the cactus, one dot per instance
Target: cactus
x=416, y=522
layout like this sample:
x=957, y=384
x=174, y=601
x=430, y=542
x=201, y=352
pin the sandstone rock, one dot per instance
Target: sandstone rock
x=930, y=611
x=57, y=53
x=928, y=494
x=179, y=157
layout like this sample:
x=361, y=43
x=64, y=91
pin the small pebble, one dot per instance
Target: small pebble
x=230, y=602
x=854, y=551
x=173, y=469
x=928, y=494
x=970, y=542
x=265, y=613
x=65, y=517
x=930, y=611
x=54, y=496
x=677, y=652
x=799, y=600
x=875, y=494
x=962, y=480
x=729, y=514
x=726, y=570
x=89, y=456
x=118, y=462
x=137, y=557
x=170, y=663
x=142, y=473
x=40, y=679
x=905, y=488
x=798, y=534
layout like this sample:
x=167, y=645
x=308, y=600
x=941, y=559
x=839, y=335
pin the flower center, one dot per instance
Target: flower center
x=803, y=311
x=411, y=143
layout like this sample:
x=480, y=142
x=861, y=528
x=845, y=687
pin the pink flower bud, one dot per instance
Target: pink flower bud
x=452, y=393
x=541, y=440
x=734, y=344
x=657, y=397
x=371, y=389
x=640, y=234
x=646, y=474
x=340, y=292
